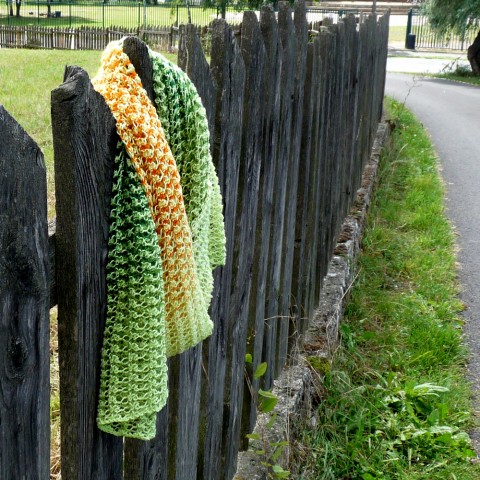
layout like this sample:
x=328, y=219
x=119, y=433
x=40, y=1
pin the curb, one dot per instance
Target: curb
x=297, y=386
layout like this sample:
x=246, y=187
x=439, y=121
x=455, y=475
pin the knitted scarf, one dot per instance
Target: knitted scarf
x=166, y=235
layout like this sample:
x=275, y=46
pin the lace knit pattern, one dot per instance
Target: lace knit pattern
x=184, y=121
x=130, y=397
x=188, y=237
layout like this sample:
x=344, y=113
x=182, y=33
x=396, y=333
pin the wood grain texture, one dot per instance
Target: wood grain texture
x=274, y=280
x=51, y=255
x=312, y=278
x=84, y=141
x=192, y=61
x=228, y=70
x=288, y=304
x=306, y=189
x=354, y=96
x=24, y=306
x=291, y=53
x=146, y=460
x=254, y=57
x=271, y=120
x=326, y=52
x=337, y=135
x=311, y=208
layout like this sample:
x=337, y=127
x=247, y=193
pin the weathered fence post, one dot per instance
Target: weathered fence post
x=84, y=141
x=192, y=61
x=288, y=307
x=274, y=281
x=254, y=57
x=228, y=70
x=308, y=187
x=24, y=307
x=256, y=316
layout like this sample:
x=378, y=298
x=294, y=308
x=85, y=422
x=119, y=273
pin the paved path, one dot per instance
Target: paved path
x=401, y=60
x=451, y=113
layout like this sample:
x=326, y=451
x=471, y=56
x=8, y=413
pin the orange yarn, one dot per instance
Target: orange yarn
x=139, y=128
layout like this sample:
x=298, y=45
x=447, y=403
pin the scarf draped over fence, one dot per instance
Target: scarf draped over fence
x=166, y=236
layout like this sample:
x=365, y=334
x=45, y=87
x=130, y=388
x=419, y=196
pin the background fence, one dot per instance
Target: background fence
x=92, y=26
x=130, y=14
x=427, y=37
x=85, y=38
x=292, y=122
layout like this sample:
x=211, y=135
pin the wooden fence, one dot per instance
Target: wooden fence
x=83, y=38
x=292, y=120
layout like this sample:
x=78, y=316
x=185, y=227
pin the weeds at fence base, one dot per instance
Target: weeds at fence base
x=396, y=401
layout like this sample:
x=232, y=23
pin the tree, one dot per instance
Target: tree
x=457, y=15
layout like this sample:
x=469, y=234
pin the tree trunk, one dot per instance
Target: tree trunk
x=18, y=4
x=473, y=55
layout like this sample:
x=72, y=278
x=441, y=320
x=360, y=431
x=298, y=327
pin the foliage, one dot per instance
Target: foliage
x=261, y=443
x=454, y=14
x=457, y=72
x=396, y=403
x=461, y=74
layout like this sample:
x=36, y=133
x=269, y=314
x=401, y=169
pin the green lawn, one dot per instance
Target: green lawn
x=463, y=77
x=131, y=16
x=26, y=79
x=396, y=35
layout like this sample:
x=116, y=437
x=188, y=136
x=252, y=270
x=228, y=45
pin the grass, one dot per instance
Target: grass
x=473, y=80
x=396, y=403
x=101, y=15
x=27, y=78
x=461, y=74
x=396, y=34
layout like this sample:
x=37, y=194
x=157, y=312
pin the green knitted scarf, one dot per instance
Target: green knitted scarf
x=141, y=331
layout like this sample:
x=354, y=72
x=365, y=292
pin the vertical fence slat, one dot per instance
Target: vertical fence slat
x=253, y=52
x=256, y=317
x=306, y=184
x=311, y=278
x=84, y=144
x=338, y=133
x=355, y=95
x=345, y=122
x=288, y=307
x=147, y=460
x=309, y=138
x=192, y=61
x=287, y=83
x=24, y=306
x=228, y=70
x=327, y=53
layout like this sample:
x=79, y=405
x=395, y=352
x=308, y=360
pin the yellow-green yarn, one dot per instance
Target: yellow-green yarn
x=133, y=381
x=149, y=315
x=184, y=121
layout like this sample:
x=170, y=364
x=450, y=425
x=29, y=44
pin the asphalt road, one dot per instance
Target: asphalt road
x=450, y=111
